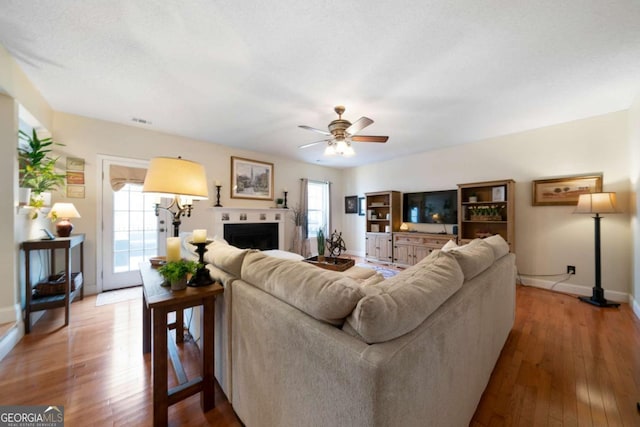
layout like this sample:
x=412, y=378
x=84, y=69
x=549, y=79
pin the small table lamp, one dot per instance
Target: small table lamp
x=63, y=211
x=183, y=180
x=597, y=203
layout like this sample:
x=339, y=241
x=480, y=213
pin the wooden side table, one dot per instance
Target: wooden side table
x=52, y=301
x=157, y=302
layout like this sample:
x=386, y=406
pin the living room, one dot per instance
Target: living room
x=549, y=237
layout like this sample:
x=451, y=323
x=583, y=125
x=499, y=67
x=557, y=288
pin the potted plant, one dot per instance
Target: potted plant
x=37, y=169
x=279, y=202
x=321, y=243
x=177, y=273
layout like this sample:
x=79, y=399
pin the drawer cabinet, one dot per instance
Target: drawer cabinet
x=379, y=247
x=410, y=248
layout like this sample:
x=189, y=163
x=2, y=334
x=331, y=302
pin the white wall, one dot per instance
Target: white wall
x=548, y=238
x=87, y=138
x=634, y=204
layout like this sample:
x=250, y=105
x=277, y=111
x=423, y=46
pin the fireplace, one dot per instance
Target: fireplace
x=241, y=222
x=261, y=235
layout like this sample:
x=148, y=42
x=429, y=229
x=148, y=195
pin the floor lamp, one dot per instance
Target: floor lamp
x=182, y=180
x=597, y=203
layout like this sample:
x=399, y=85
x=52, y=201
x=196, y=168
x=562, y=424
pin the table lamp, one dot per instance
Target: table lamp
x=63, y=212
x=597, y=203
x=177, y=178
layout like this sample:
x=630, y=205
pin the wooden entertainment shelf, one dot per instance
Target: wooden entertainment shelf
x=493, y=211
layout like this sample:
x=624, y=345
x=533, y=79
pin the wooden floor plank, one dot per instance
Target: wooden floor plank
x=565, y=363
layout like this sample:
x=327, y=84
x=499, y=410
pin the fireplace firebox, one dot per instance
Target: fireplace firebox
x=262, y=236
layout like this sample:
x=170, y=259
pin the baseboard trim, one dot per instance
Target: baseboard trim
x=11, y=338
x=10, y=314
x=634, y=306
x=568, y=288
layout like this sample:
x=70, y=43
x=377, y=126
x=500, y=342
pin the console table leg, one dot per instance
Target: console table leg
x=159, y=368
x=207, y=354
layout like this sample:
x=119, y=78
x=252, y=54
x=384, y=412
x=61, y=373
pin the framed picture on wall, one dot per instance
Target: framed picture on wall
x=361, y=206
x=251, y=179
x=351, y=204
x=564, y=191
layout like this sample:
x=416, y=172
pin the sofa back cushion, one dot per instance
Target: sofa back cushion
x=498, y=244
x=399, y=304
x=324, y=295
x=474, y=257
x=225, y=257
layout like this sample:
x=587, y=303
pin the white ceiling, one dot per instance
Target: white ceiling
x=246, y=74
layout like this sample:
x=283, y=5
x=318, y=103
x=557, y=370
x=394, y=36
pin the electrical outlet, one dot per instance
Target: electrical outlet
x=571, y=269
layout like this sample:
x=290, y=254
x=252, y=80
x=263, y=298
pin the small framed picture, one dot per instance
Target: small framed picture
x=351, y=204
x=497, y=194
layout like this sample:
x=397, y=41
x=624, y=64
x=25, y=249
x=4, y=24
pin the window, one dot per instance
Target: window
x=318, y=207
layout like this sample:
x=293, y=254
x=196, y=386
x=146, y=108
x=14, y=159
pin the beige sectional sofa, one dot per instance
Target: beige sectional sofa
x=300, y=346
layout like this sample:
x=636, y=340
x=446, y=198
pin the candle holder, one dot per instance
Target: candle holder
x=202, y=276
x=218, y=205
x=285, y=201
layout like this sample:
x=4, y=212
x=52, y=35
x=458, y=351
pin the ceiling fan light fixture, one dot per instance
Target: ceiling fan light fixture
x=330, y=150
x=349, y=151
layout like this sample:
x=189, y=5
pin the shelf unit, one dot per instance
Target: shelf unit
x=383, y=217
x=492, y=213
x=65, y=244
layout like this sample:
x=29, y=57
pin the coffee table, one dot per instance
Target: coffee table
x=332, y=263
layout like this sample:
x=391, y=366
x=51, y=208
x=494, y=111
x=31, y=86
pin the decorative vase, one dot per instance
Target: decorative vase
x=297, y=240
x=180, y=284
x=473, y=199
x=24, y=195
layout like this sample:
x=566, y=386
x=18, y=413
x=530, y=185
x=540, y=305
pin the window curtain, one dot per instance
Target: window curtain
x=329, y=225
x=301, y=244
x=119, y=176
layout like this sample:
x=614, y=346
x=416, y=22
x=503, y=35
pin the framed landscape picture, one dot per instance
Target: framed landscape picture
x=351, y=204
x=564, y=191
x=251, y=179
x=361, y=206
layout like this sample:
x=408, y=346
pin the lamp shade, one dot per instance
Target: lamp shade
x=63, y=210
x=596, y=203
x=169, y=177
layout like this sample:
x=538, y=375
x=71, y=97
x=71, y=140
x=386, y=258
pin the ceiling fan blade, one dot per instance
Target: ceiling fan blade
x=369, y=138
x=324, y=132
x=311, y=144
x=358, y=125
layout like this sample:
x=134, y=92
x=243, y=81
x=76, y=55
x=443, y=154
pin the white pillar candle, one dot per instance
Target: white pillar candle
x=173, y=249
x=199, y=236
x=218, y=183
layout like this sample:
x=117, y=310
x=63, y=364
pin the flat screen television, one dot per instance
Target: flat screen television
x=431, y=207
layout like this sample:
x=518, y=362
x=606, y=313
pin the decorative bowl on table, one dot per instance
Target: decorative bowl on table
x=157, y=261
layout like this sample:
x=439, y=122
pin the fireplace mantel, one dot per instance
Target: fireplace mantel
x=224, y=215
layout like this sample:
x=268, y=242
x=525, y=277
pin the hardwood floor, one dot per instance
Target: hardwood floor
x=564, y=363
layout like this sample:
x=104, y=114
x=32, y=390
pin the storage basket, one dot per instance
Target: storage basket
x=54, y=285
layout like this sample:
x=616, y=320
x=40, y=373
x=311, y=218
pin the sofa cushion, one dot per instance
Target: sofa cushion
x=498, y=244
x=326, y=295
x=399, y=304
x=225, y=257
x=474, y=257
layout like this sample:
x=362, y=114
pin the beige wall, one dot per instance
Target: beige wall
x=14, y=86
x=547, y=238
x=89, y=138
x=634, y=205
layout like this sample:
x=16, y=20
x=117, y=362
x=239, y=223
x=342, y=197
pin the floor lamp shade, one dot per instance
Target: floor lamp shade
x=596, y=204
x=169, y=177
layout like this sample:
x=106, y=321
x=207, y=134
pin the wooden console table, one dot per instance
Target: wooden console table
x=52, y=301
x=157, y=302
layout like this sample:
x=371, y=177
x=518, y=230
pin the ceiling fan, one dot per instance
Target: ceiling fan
x=342, y=133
